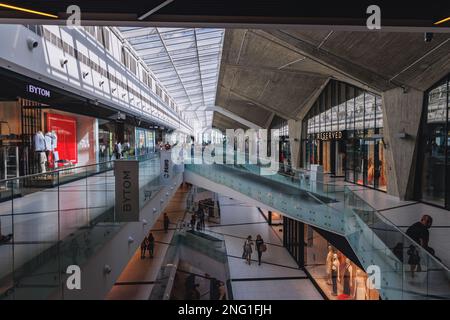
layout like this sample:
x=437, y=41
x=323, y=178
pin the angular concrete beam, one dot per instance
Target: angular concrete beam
x=401, y=116
x=367, y=78
x=234, y=116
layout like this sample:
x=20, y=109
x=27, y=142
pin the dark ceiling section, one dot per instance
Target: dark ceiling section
x=223, y=122
x=349, y=12
x=266, y=72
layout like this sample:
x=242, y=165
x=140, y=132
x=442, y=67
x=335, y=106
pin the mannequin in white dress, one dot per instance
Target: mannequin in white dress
x=329, y=263
x=360, y=289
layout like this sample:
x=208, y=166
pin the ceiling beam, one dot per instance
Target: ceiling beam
x=366, y=78
x=242, y=96
x=234, y=116
x=271, y=69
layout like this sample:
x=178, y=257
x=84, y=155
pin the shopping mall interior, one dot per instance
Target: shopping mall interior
x=198, y=153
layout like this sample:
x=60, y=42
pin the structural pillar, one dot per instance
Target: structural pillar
x=295, y=140
x=401, y=117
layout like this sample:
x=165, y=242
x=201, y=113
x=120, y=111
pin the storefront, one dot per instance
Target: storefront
x=434, y=168
x=338, y=277
x=145, y=141
x=344, y=134
x=44, y=138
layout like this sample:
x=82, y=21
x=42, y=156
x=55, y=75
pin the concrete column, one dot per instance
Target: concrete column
x=295, y=140
x=401, y=116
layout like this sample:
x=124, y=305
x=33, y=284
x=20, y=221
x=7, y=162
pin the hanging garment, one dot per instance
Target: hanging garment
x=347, y=280
x=334, y=281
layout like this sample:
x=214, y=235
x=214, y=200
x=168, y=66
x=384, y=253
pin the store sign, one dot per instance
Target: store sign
x=126, y=173
x=330, y=135
x=38, y=91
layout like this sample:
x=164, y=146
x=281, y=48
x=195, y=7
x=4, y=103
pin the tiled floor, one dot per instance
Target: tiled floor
x=136, y=280
x=36, y=223
x=278, y=277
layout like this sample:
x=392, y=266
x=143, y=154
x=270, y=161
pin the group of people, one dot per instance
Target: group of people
x=198, y=220
x=120, y=150
x=248, y=248
x=148, y=244
x=217, y=289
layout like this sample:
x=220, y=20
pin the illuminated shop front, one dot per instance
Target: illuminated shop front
x=338, y=277
x=145, y=141
x=434, y=168
x=344, y=134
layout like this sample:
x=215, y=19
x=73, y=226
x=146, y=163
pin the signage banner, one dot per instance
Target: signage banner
x=166, y=167
x=329, y=135
x=126, y=174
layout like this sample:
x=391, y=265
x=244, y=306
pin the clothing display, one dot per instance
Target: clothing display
x=40, y=147
x=51, y=141
x=347, y=278
x=39, y=142
x=360, y=288
x=335, y=273
x=329, y=263
x=334, y=276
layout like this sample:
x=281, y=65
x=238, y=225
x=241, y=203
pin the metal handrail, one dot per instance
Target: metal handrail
x=382, y=217
x=72, y=168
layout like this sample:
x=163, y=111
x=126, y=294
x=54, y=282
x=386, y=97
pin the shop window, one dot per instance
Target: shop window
x=434, y=173
x=338, y=277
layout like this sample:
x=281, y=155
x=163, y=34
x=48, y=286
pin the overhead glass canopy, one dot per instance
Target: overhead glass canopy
x=186, y=61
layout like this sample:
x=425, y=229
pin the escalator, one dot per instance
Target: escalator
x=336, y=209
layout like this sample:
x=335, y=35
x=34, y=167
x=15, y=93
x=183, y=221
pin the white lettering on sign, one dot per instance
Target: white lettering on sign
x=334, y=135
x=126, y=204
x=38, y=91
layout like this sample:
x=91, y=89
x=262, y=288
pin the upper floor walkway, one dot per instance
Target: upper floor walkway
x=348, y=210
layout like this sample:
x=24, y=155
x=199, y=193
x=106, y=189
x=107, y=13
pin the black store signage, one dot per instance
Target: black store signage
x=328, y=135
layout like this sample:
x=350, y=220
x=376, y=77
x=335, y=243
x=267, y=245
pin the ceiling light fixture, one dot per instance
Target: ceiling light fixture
x=442, y=21
x=162, y=5
x=8, y=6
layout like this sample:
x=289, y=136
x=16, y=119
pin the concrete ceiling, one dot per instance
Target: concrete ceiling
x=267, y=72
x=222, y=122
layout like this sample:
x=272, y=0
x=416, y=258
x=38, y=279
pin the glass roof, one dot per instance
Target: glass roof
x=186, y=61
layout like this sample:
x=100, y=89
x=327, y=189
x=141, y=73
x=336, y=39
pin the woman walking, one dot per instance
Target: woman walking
x=143, y=247
x=260, y=247
x=247, y=254
x=151, y=244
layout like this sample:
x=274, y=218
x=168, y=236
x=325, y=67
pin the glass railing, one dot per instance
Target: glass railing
x=376, y=241
x=407, y=270
x=59, y=218
x=205, y=242
x=296, y=202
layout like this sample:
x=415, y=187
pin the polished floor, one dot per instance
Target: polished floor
x=40, y=219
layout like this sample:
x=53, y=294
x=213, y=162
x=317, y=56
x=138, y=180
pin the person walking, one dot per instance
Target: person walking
x=260, y=247
x=193, y=220
x=166, y=222
x=222, y=291
x=151, y=244
x=247, y=254
x=144, y=247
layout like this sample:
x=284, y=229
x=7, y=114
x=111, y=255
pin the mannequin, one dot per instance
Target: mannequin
x=40, y=147
x=360, y=290
x=51, y=144
x=335, y=273
x=348, y=275
x=329, y=262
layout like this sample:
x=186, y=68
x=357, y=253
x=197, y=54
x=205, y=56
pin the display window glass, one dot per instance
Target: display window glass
x=338, y=277
x=355, y=116
x=435, y=164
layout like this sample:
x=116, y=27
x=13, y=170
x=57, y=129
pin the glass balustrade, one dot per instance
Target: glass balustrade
x=60, y=218
x=377, y=242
